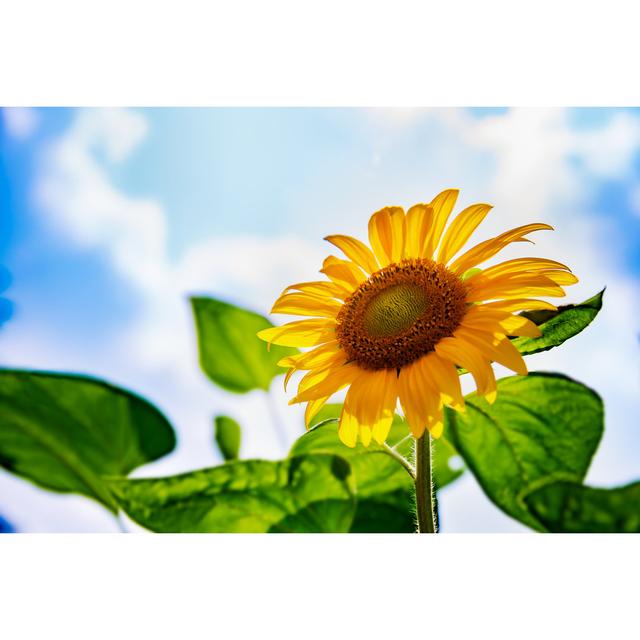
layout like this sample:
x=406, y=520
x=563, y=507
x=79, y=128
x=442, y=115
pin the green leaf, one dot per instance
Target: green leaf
x=65, y=432
x=310, y=493
x=566, y=507
x=542, y=428
x=227, y=436
x=384, y=489
x=231, y=355
x=558, y=326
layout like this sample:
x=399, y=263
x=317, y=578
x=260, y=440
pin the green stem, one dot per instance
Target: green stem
x=400, y=458
x=425, y=499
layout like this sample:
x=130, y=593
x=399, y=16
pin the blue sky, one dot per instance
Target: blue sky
x=110, y=218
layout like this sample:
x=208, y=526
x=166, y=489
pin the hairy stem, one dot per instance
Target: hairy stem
x=425, y=499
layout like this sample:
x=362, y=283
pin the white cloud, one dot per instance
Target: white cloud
x=20, y=122
x=77, y=195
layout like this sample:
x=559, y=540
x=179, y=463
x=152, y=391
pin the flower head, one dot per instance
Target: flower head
x=394, y=321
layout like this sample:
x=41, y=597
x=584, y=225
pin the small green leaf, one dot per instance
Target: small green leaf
x=384, y=489
x=231, y=355
x=542, y=427
x=303, y=494
x=65, y=432
x=227, y=435
x=558, y=326
x=566, y=507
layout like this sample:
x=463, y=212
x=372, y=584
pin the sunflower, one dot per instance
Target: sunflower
x=394, y=322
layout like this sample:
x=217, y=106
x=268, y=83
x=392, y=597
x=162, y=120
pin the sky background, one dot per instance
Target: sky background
x=110, y=219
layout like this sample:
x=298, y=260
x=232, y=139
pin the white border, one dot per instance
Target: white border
x=288, y=52
x=310, y=586
x=334, y=52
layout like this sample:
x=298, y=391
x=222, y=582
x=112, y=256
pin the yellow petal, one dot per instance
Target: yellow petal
x=520, y=326
x=466, y=355
x=519, y=304
x=348, y=427
x=436, y=424
x=320, y=365
x=442, y=206
x=340, y=377
x=513, y=286
x=343, y=272
x=321, y=373
x=412, y=405
x=301, y=333
x=563, y=278
x=365, y=434
x=287, y=377
x=447, y=381
x=388, y=399
x=356, y=251
x=497, y=321
x=460, y=230
x=306, y=304
x=418, y=224
x=311, y=359
x=518, y=265
x=419, y=399
x=386, y=235
x=320, y=288
x=499, y=350
x=487, y=249
x=313, y=406
x=370, y=405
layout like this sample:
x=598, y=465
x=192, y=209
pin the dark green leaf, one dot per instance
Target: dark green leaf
x=384, y=489
x=311, y=493
x=227, y=437
x=230, y=353
x=566, y=507
x=64, y=432
x=558, y=326
x=542, y=427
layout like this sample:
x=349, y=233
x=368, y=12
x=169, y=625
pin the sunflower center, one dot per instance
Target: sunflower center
x=400, y=313
x=394, y=310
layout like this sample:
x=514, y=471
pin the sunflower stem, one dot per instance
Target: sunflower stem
x=425, y=498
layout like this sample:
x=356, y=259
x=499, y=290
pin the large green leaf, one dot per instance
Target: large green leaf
x=230, y=353
x=566, y=507
x=384, y=489
x=310, y=493
x=65, y=432
x=542, y=428
x=227, y=436
x=558, y=326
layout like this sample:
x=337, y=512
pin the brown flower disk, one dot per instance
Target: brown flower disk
x=400, y=313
